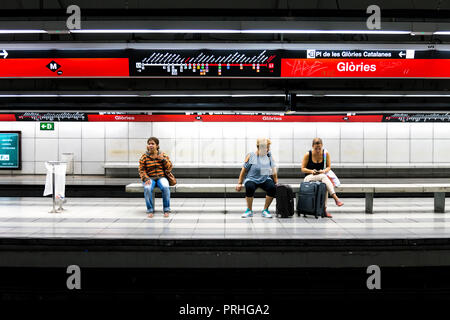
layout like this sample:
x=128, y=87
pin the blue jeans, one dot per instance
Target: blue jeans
x=163, y=185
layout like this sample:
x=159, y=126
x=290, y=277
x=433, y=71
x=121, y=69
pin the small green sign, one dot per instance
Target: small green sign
x=47, y=126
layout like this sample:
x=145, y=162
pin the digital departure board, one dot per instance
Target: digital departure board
x=10, y=150
x=205, y=63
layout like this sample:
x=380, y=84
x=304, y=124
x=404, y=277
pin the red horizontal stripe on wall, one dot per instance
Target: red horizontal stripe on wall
x=7, y=117
x=365, y=68
x=234, y=118
x=142, y=118
x=66, y=67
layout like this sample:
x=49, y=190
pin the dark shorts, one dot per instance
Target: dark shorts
x=268, y=186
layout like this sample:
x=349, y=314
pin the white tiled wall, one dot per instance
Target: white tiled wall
x=398, y=151
x=95, y=143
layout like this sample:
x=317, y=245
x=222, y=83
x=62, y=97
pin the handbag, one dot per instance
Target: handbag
x=170, y=177
x=330, y=174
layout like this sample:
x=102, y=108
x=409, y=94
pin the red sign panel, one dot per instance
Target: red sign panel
x=365, y=68
x=64, y=67
x=234, y=118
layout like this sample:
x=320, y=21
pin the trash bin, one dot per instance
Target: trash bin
x=68, y=158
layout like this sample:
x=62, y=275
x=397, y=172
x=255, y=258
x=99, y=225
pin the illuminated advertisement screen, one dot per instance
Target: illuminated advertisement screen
x=10, y=150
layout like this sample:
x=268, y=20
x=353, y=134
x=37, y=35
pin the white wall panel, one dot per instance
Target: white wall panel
x=28, y=129
x=93, y=130
x=334, y=149
x=441, y=151
x=211, y=131
x=117, y=130
x=140, y=130
x=421, y=130
x=352, y=151
x=93, y=150
x=375, y=130
x=422, y=150
x=163, y=130
x=301, y=146
x=375, y=151
x=211, y=151
x=39, y=168
x=398, y=151
x=256, y=130
x=136, y=148
x=5, y=125
x=185, y=130
x=168, y=146
x=352, y=130
x=281, y=130
x=328, y=130
x=398, y=130
x=282, y=150
x=234, y=130
x=28, y=153
x=27, y=168
x=304, y=130
x=441, y=130
x=69, y=130
x=116, y=149
x=70, y=146
x=234, y=150
x=46, y=150
x=187, y=151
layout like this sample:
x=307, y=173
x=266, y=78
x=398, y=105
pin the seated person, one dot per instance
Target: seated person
x=313, y=165
x=152, y=167
x=258, y=168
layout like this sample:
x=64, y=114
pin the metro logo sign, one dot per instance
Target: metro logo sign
x=64, y=67
x=365, y=68
x=53, y=66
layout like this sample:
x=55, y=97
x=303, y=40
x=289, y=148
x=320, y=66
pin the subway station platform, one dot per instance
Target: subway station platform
x=105, y=218
x=115, y=228
x=200, y=251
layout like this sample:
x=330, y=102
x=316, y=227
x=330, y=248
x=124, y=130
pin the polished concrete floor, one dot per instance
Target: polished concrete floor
x=125, y=218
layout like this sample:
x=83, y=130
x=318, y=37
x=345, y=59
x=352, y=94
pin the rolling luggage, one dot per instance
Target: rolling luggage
x=311, y=200
x=285, y=201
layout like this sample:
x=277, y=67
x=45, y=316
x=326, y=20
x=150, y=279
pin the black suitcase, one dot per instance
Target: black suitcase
x=311, y=200
x=285, y=201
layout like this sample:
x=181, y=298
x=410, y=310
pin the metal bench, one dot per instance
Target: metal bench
x=369, y=190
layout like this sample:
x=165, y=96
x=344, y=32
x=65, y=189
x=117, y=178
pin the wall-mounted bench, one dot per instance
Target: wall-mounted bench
x=369, y=190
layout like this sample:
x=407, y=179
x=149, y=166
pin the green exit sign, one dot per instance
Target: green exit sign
x=47, y=126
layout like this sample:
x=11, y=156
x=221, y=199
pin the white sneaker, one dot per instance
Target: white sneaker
x=266, y=214
x=247, y=214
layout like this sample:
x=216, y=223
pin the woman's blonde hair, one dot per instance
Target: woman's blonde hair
x=263, y=141
x=316, y=141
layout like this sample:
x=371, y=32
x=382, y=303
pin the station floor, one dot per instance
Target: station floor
x=196, y=218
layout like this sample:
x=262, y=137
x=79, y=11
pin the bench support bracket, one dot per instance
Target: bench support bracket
x=439, y=202
x=369, y=202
